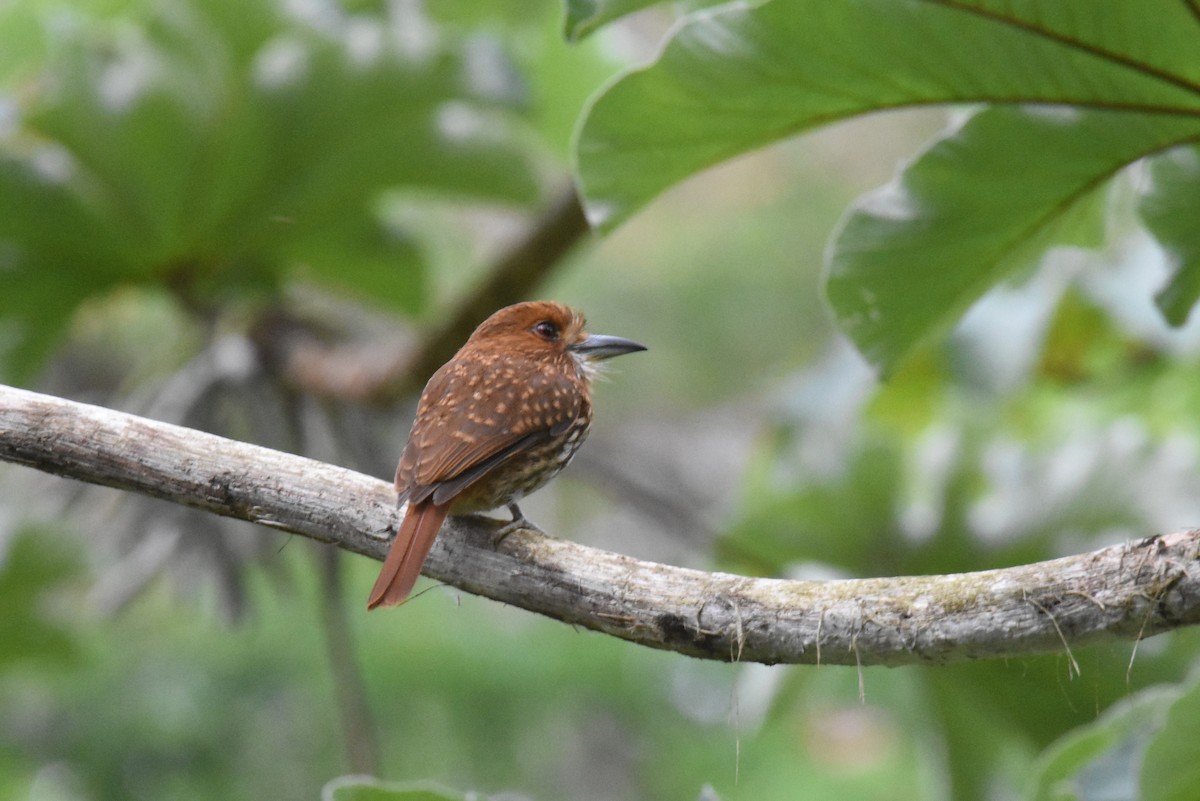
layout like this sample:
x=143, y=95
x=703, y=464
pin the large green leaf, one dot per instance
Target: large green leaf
x=740, y=77
x=1080, y=91
x=1170, y=208
x=910, y=258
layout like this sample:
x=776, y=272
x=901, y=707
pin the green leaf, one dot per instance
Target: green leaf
x=910, y=258
x=585, y=16
x=738, y=78
x=1170, y=770
x=1104, y=754
x=1170, y=206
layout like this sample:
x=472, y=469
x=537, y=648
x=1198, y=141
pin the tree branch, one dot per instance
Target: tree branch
x=1122, y=592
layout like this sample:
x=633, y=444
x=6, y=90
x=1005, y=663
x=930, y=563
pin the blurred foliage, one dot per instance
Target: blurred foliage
x=169, y=168
x=218, y=148
x=31, y=634
x=1142, y=747
x=927, y=475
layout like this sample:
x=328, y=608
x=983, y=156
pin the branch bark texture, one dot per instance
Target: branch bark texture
x=1125, y=591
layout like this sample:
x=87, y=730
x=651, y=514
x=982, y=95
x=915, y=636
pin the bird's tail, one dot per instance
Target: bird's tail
x=407, y=555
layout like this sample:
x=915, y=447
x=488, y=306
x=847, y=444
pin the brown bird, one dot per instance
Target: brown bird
x=495, y=423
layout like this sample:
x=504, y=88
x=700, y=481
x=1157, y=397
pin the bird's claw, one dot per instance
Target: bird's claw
x=519, y=521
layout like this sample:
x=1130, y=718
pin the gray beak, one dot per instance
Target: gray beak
x=601, y=346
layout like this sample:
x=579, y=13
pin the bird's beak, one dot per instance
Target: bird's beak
x=601, y=346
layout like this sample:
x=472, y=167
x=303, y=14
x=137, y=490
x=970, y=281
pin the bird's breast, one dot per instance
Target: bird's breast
x=525, y=472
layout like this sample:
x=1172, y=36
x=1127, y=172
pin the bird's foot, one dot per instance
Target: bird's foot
x=519, y=521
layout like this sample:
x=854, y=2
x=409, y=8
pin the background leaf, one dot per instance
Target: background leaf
x=1173, y=196
x=236, y=149
x=1170, y=771
x=971, y=211
x=1097, y=759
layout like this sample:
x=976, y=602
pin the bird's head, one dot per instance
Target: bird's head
x=545, y=328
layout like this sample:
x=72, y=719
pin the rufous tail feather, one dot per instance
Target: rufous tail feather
x=407, y=554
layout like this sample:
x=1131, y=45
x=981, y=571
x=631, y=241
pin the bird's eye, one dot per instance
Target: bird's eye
x=546, y=330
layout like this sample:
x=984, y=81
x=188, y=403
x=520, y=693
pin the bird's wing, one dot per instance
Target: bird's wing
x=474, y=416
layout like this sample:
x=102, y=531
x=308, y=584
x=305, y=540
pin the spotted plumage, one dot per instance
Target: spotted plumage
x=495, y=423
